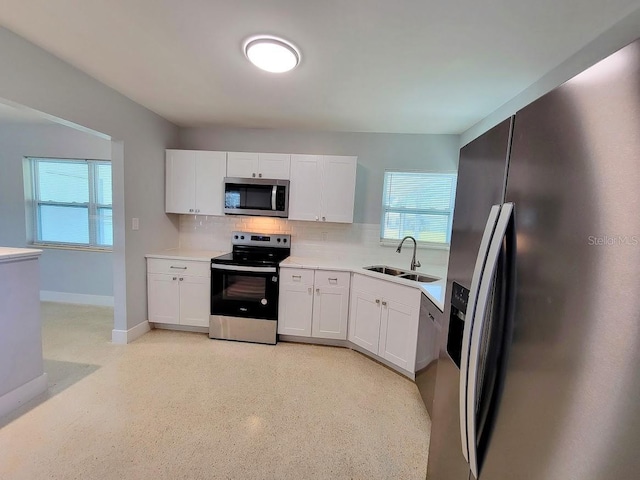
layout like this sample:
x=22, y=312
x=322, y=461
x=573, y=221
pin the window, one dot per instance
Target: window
x=419, y=204
x=72, y=202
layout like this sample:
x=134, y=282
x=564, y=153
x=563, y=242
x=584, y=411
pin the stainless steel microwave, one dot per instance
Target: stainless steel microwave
x=256, y=196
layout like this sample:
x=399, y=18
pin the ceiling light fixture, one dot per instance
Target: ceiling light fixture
x=272, y=54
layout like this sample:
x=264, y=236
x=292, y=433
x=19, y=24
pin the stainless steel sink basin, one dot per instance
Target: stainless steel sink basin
x=395, y=272
x=386, y=270
x=417, y=277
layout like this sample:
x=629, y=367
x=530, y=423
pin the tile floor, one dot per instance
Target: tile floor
x=179, y=405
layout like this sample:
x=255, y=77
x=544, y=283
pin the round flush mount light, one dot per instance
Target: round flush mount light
x=272, y=54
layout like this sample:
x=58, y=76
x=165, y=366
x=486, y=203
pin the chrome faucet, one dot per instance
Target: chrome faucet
x=414, y=263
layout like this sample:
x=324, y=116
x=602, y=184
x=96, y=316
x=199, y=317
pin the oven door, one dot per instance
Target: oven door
x=249, y=292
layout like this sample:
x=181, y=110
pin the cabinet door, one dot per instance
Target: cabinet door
x=195, y=293
x=305, y=188
x=163, y=298
x=274, y=165
x=398, y=334
x=295, y=308
x=330, y=312
x=242, y=164
x=211, y=168
x=364, y=325
x=180, y=194
x=338, y=188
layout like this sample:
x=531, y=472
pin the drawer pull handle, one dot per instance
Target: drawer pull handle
x=377, y=302
x=310, y=290
x=334, y=280
x=181, y=279
x=296, y=276
x=175, y=278
x=384, y=304
x=179, y=268
x=318, y=291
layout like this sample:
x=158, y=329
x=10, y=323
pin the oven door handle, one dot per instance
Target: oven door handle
x=240, y=268
x=274, y=190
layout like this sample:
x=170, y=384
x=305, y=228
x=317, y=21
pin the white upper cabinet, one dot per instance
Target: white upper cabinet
x=322, y=188
x=258, y=165
x=305, y=190
x=195, y=181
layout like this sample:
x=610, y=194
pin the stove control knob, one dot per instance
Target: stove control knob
x=242, y=237
x=284, y=240
x=235, y=236
x=263, y=301
x=279, y=240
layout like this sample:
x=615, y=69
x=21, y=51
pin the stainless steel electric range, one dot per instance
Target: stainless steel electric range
x=245, y=288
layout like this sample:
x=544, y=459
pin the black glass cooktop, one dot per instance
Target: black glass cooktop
x=253, y=256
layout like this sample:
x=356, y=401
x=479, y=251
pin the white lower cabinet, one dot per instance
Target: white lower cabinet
x=178, y=292
x=384, y=319
x=313, y=303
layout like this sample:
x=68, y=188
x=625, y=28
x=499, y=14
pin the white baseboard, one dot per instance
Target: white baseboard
x=21, y=395
x=123, y=337
x=77, y=298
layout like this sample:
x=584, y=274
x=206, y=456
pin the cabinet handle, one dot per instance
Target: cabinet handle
x=384, y=304
x=175, y=278
x=254, y=175
x=431, y=317
x=260, y=175
x=197, y=210
x=324, y=219
x=191, y=209
x=377, y=301
x=181, y=279
x=296, y=276
x=179, y=268
x=333, y=280
x=318, y=291
x=310, y=290
x=317, y=218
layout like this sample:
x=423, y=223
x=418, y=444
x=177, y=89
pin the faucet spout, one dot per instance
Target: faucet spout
x=414, y=262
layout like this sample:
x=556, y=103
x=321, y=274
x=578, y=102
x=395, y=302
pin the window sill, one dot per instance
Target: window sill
x=409, y=244
x=82, y=248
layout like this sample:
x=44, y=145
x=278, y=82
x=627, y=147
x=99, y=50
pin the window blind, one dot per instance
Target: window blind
x=419, y=204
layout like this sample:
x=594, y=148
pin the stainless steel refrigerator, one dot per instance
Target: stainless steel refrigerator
x=539, y=367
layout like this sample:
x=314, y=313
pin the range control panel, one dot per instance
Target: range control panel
x=261, y=239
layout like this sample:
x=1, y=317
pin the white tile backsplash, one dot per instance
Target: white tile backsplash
x=308, y=239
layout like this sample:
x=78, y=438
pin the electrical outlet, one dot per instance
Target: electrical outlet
x=135, y=224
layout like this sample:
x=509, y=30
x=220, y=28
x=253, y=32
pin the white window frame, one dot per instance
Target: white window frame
x=92, y=205
x=421, y=244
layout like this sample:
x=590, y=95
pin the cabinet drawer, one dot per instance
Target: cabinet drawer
x=330, y=278
x=179, y=267
x=387, y=290
x=296, y=276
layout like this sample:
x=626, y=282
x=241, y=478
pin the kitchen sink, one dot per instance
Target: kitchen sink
x=394, y=272
x=386, y=270
x=418, y=277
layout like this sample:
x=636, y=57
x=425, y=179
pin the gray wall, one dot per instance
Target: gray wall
x=70, y=271
x=375, y=151
x=621, y=34
x=32, y=77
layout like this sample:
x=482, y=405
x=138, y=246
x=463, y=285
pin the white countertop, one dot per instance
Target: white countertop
x=7, y=253
x=183, y=254
x=433, y=290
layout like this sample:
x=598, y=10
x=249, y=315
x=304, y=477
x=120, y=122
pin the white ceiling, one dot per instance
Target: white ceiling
x=404, y=66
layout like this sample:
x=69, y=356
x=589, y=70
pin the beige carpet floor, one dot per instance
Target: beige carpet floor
x=177, y=405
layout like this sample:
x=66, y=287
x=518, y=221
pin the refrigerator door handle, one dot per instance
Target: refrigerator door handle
x=466, y=338
x=484, y=295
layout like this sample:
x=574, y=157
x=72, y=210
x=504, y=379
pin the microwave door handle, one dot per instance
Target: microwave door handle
x=468, y=324
x=274, y=191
